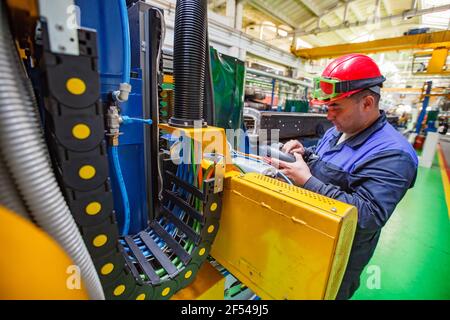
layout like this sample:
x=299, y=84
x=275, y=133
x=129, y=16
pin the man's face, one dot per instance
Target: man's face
x=346, y=114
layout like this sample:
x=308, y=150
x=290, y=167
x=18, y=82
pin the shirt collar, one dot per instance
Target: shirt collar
x=361, y=137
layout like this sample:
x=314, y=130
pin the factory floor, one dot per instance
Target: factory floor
x=412, y=259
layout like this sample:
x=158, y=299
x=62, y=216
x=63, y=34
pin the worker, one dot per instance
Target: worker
x=362, y=160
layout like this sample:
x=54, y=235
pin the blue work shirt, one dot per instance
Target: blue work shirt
x=371, y=171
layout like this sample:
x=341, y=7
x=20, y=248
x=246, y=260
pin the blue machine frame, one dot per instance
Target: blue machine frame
x=104, y=16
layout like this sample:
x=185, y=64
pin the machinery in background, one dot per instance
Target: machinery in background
x=443, y=123
x=276, y=110
x=272, y=127
x=293, y=125
x=426, y=136
x=393, y=120
x=82, y=157
x=265, y=91
x=297, y=105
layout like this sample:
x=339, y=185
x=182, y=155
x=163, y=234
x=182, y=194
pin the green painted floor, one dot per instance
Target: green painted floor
x=412, y=258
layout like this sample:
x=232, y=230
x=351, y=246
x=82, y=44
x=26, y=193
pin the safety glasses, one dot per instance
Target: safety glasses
x=328, y=88
x=325, y=88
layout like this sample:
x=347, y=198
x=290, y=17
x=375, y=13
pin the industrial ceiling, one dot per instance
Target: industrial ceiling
x=318, y=23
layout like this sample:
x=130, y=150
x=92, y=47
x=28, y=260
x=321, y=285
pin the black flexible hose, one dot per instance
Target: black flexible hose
x=189, y=61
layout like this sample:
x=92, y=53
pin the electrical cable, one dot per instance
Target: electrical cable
x=189, y=173
x=163, y=35
x=285, y=177
x=158, y=58
x=234, y=154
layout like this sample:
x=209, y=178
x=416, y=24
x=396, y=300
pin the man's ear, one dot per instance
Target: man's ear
x=368, y=102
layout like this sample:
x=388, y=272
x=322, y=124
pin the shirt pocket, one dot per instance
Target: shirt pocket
x=331, y=173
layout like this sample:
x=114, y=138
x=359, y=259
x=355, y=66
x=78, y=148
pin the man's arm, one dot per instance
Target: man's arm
x=378, y=185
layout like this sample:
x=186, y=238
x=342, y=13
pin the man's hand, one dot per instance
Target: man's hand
x=293, y=146
x=297, y=171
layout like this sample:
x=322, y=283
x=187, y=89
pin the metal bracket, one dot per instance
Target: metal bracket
x=113, y=120
x=219, y=176
x=61, y=17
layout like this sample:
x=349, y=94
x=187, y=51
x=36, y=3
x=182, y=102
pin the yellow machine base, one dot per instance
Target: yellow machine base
x=208, y=285
x=36, y=267
x=282, y=241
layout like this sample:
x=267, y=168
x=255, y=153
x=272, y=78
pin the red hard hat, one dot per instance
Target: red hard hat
x=349, y=69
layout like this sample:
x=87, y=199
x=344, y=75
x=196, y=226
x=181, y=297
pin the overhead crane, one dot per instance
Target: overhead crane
x=433, y=40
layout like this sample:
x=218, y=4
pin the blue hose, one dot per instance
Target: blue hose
x=128, y=120
x=126, y=41
x=123, y=190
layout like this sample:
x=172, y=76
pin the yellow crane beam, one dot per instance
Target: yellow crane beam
x=417, y=41
x=438, y=90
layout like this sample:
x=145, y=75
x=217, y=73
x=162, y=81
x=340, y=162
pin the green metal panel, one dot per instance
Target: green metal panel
x=228, y=78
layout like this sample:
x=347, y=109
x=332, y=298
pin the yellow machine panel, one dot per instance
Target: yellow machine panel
x=212, y=139
x=282, y=241
x=37, y=267
x=208, y=285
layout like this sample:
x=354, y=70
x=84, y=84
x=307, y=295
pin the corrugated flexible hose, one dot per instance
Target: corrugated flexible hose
x=189, y=61
x=9, y=196
x=26, y=156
